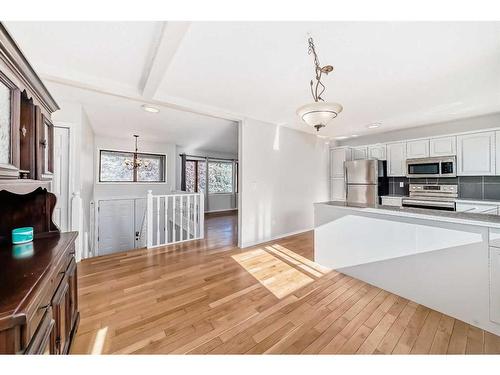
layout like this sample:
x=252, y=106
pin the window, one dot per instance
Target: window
x=220, y=177
x=195, y=176
x=112, y=167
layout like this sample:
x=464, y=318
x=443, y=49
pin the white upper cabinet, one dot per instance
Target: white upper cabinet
x=377, y=152
x=443, y=146
x=337, y=158
x=396, y=159
x=417, y=149
x=476, y=154
x=359, y=153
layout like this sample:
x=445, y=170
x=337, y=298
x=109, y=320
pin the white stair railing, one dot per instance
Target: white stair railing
x=174, y=218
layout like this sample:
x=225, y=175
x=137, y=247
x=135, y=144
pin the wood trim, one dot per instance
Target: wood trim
x=11, y=55
x=11, y=170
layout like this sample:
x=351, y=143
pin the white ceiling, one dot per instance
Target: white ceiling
x=401, y=74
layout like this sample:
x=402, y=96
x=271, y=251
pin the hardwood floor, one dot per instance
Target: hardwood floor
x=209, y=296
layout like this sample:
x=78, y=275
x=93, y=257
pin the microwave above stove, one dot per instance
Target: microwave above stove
x=431, y=167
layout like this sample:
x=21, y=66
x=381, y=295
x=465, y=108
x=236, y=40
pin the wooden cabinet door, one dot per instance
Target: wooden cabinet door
x=72, y=294
x=377, y=152
x=396, y=159
x=359, y=153
x=43, y=341
x=60, y=307
x=417, y=149
x=443, y=146
x=476, y=154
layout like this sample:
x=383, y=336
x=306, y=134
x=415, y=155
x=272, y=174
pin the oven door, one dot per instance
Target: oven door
x=432, y=204
x=422, y=169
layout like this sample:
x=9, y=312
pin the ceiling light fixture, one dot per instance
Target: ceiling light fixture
x=373, y=126
x=149, y=108
x=319, y=113
x=136, y=163
x=354, y=135
x=341, y=137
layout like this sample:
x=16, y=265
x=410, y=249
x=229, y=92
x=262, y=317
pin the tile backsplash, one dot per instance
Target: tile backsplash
x=469, y=187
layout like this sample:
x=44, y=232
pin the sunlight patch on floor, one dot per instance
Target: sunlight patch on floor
x=270, y=266
x=100, y=339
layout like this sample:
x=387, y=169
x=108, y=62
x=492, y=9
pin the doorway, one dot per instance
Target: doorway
x=60, y=181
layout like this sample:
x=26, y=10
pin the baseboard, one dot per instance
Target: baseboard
x=274, y=238
x=221, y=211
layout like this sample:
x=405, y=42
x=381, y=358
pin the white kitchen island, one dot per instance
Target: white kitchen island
x=447, y=261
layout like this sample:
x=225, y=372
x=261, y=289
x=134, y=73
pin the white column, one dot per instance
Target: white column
x=149, y=222
x=77, y=223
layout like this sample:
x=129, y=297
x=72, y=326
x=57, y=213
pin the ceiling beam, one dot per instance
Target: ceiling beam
x=164, y=50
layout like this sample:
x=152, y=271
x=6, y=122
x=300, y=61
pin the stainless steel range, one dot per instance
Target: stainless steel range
x=439, y=197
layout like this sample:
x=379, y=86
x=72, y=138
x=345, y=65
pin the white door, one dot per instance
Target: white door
x=360, y=153
x=476, y=154
x=417, y=149
x=444, y=146
x=60, y=181
x=116, y=231
x=396, y=159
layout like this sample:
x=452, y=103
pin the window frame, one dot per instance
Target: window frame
x=135, y=182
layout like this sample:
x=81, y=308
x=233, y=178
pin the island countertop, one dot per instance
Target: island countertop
x=484, y=220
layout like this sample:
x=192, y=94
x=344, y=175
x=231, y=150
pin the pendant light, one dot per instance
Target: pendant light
x=136, y=163
x=319, y=113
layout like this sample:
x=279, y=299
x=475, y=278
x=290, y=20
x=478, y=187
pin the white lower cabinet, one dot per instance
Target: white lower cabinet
x=476, y=154
x=337, y=189
x=495, y=284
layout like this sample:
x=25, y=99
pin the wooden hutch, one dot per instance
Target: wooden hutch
x=38, y=280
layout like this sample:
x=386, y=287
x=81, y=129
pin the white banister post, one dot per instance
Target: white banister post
x=202, y=215
x=149, y=222
x=77, y=223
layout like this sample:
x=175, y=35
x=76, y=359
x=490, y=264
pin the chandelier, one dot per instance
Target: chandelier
x=319, y=113
x=136, y=163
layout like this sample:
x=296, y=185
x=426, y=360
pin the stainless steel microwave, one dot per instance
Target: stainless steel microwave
x=431, y=167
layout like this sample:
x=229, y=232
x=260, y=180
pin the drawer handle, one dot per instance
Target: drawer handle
x=44, y=307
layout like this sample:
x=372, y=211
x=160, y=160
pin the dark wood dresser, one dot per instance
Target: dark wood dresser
x=38, y=280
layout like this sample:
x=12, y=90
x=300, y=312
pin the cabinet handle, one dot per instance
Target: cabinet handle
x=44, y=307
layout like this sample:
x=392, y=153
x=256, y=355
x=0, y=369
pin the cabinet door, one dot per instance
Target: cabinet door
x=337, y=189
x=497, y=152
x=337, y=158
x=417, y=149
x=45, y=146
x=444, y=146
x=60, y=307
x=359, y=153
x=73, y=294
x=396, y=159
x=476, y=154
x=495, y=284
x=377, y=152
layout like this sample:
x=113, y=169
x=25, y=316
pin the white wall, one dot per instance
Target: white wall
x=216, y=202
x=431, y=130
x=73, y=116
x=124, y=190
x=283, y=172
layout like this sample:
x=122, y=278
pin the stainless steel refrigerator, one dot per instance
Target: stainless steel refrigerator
x=366, y=181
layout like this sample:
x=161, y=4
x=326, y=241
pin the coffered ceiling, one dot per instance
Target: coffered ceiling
x=399, y=74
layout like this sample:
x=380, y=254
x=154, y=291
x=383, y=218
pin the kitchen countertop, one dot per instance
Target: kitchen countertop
x=484, y=220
